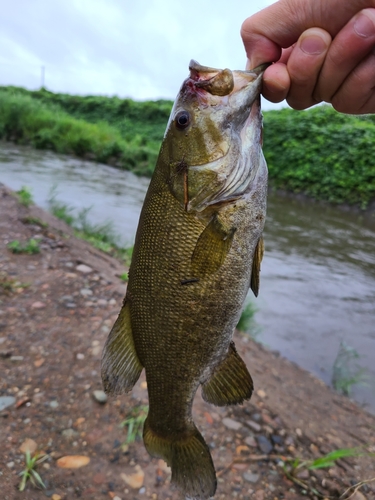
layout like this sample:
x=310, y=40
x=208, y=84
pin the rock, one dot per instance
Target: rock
x=100, y=396
x=28, y=445
x=55, y=496
x=264, y=444
x=96, y=350
x=54, y=404
x=136, y=479
x=250, y=477
x=304, y=474
x=259, y=495
x=102, y=302
x=250, y=441
x=16, y=358
x=72, y=461
x=99, y=478
x=331, y=486
x=86, y=292
x=38, y=305
x=232, y=424
x=69, y=433
x=277, y=439
x=82, y=268
x=358, y=496
x=10, y=465
x=253, y=425
x=261, y=393
x=6, y=401
x=80, y=356
x=38, y=363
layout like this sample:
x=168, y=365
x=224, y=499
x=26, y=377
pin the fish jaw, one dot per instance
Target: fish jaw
x=212, y=156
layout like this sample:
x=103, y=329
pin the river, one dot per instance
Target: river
x=318, y=273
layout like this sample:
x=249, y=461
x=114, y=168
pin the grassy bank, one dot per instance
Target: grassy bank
x=322, y=153
x=318, y=152
x=40, y=119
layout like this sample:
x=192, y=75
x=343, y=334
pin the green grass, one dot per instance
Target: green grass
x=46, y=121
x=29, y=473
x=24, y=196
x=10, y=285
x=292, y=467
x=101, y=236
x=346, y=370
x=31, y=246
x=134, y=423
x=29, y=219
x=247, y=323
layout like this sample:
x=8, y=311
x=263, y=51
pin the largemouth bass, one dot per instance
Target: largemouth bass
x=197, y=252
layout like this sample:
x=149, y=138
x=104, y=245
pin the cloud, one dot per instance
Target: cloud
x=131, y=49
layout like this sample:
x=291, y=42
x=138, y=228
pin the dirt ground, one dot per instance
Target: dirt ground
x=56, y=309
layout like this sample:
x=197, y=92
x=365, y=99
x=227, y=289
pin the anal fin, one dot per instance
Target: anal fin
x=121, y=367
x=231, y=383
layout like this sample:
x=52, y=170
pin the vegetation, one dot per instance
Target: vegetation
x=346, y=371
x=31, y=246
x=247, y=321
x=319, y=152
x=24, y=196
x=134, y=423
x=293, y=467
x=101, y=236
x=29, y=472
x=46, y=121
x=322, y=153
x=10, y=285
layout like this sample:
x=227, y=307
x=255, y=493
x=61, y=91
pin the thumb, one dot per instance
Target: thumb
x=280, y=25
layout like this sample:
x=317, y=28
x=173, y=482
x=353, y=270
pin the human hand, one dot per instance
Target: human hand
x=324, y=52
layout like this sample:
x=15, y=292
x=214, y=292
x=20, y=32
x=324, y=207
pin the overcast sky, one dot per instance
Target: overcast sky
x=139, y=49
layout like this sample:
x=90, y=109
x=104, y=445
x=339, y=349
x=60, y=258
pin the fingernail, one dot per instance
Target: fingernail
x=313, y=45
x=363, y=26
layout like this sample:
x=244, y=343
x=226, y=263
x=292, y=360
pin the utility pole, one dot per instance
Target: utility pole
x=42, y=75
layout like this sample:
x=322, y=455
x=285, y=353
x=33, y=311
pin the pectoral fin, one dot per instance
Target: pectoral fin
x=212, y=248
x=121, y=367
x=255, y=272
x=231, y=383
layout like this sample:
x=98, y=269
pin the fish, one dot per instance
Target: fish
x=197, y=252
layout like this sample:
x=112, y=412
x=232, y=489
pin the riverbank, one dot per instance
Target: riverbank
x=57, y=307
x=317, y=152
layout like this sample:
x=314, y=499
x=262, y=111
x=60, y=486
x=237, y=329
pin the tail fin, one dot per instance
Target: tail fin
x=193, y=471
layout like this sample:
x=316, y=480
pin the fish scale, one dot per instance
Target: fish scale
x=197, y=251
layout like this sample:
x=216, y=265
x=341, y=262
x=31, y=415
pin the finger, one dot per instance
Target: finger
x=304, y=65
x=352, y=44
x=267, y=31
x=357, y=94
x=276, y=82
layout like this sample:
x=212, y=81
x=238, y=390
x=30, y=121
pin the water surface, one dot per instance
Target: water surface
x=318, y=272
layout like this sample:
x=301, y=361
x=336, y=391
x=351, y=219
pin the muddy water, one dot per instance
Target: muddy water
x=318, y=273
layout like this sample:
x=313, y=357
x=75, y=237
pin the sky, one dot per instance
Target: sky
x=138, y=49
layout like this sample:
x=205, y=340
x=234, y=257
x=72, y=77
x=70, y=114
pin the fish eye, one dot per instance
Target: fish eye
x=182, y=120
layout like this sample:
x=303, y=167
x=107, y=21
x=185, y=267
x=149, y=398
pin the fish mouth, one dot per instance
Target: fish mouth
x=222, y=82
